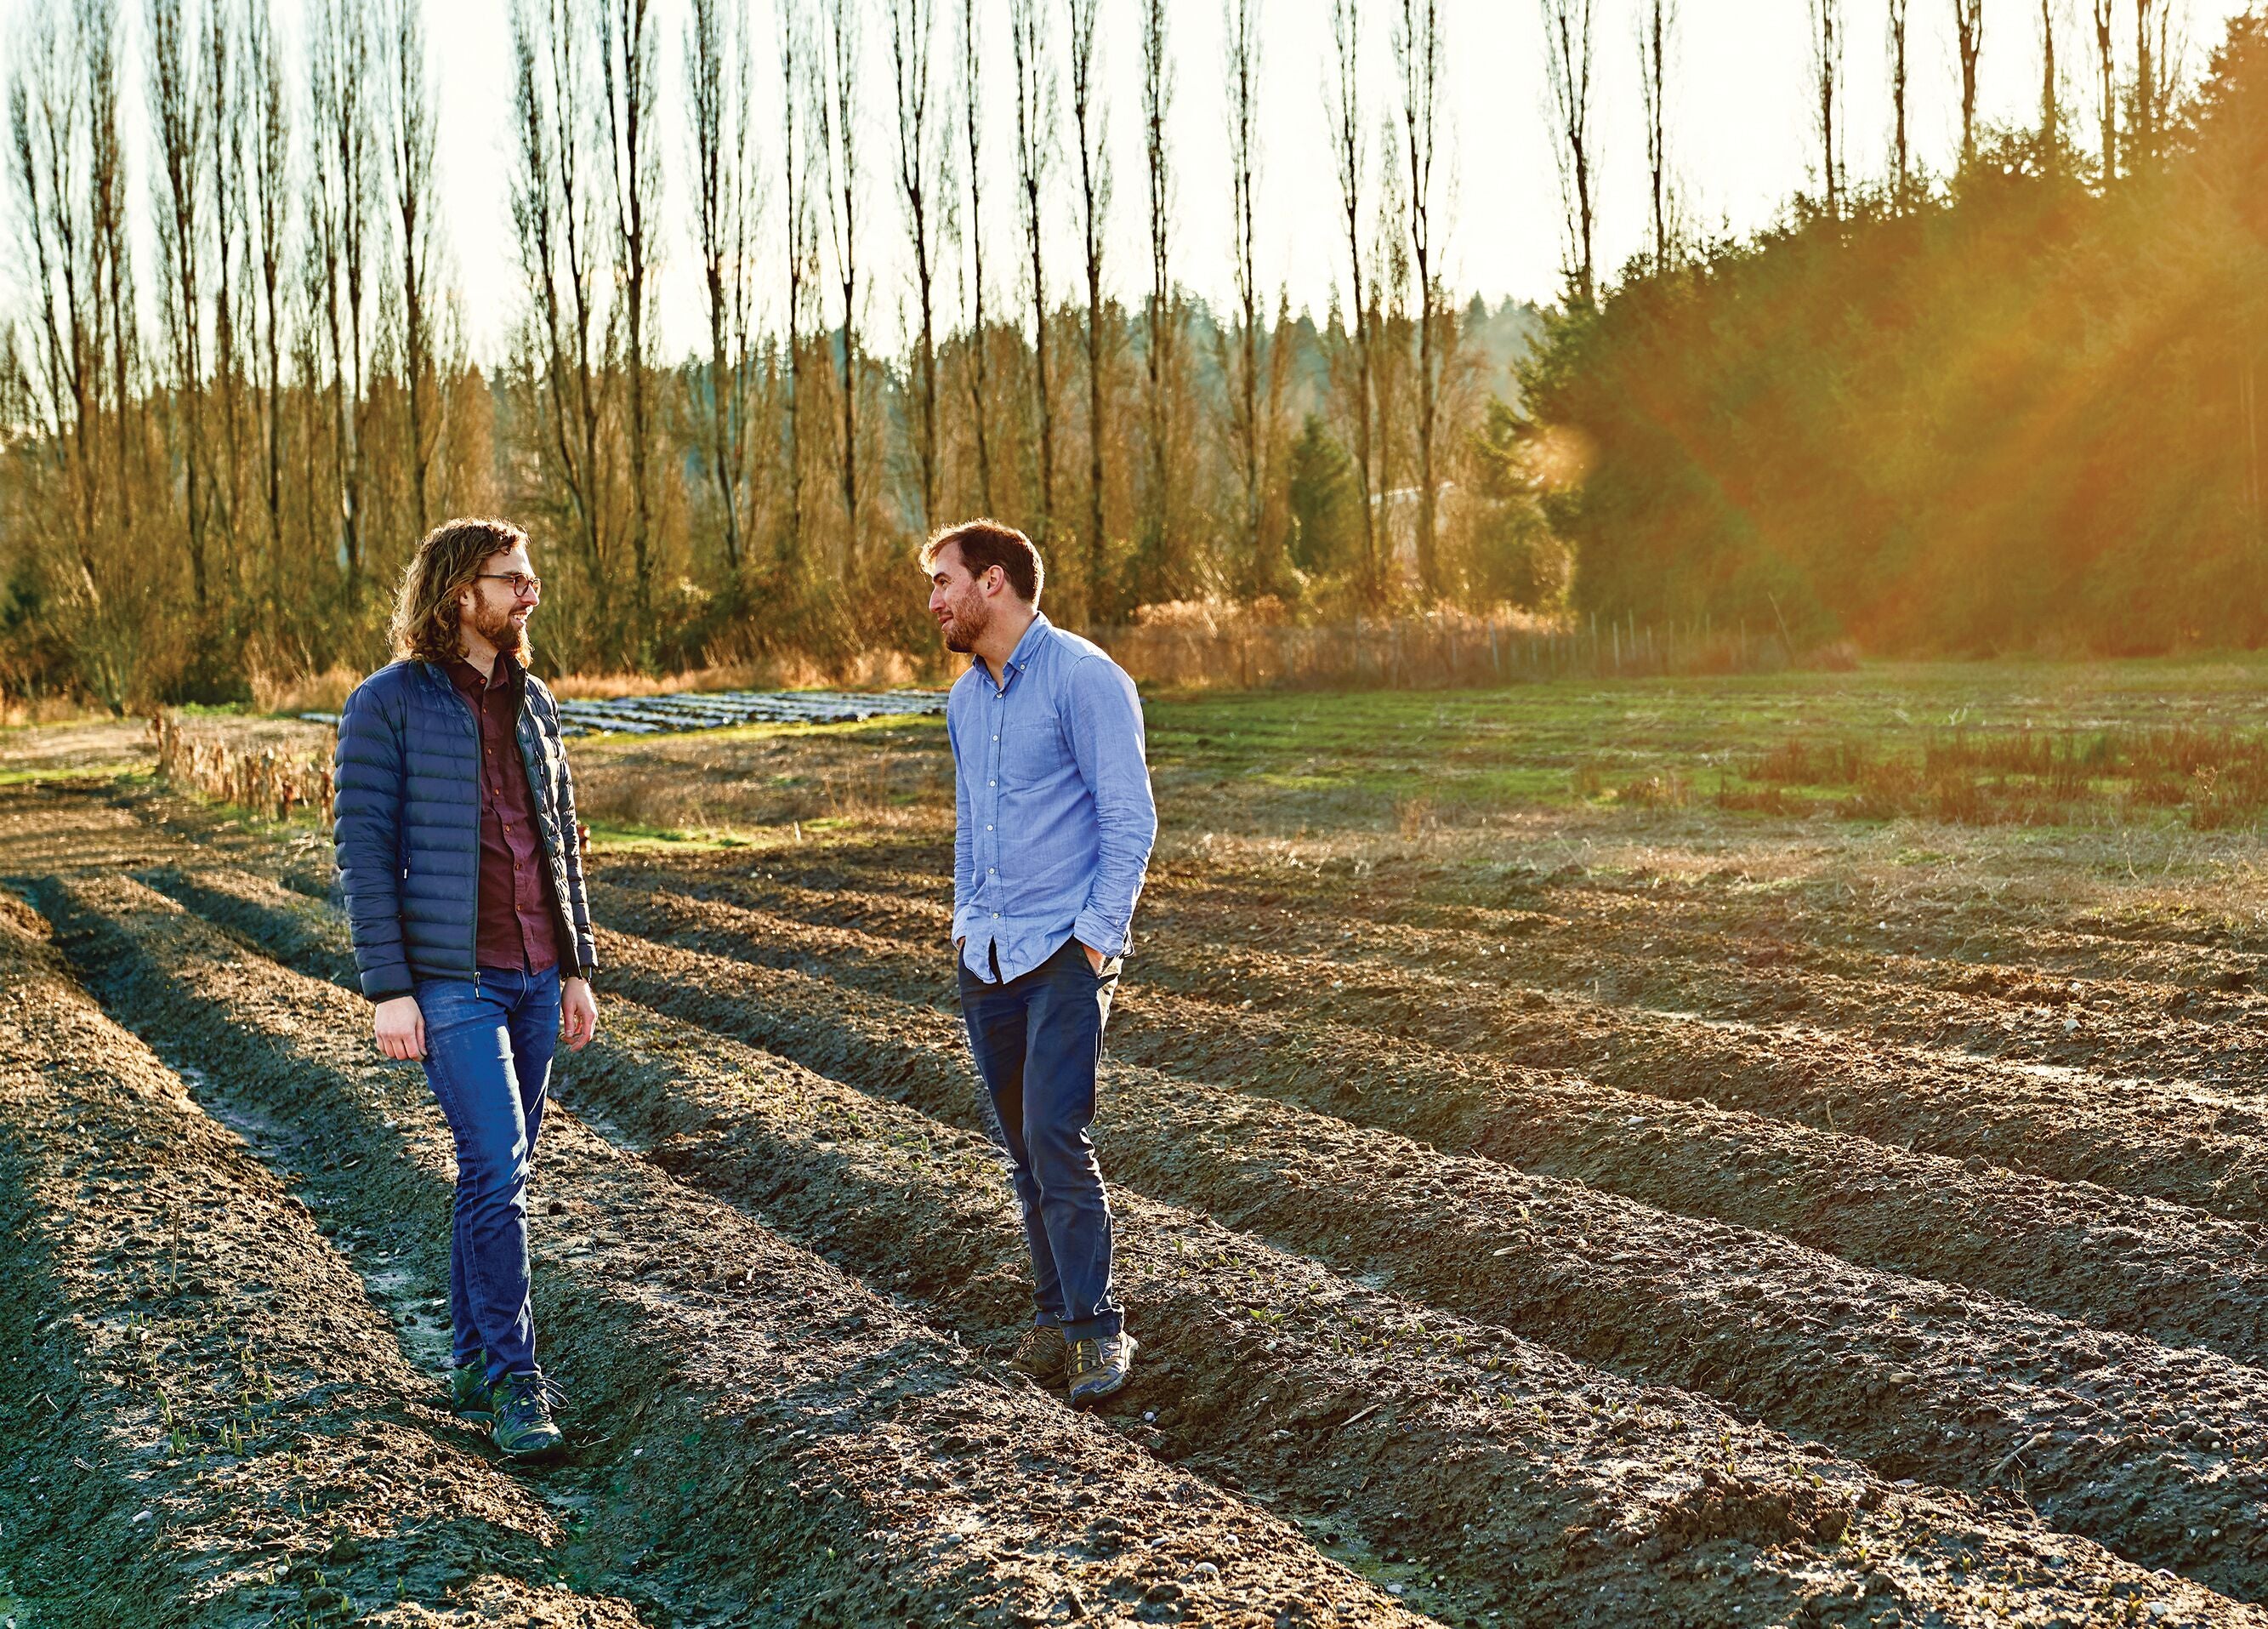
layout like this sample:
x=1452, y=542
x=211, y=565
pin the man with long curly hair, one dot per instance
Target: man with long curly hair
x=458, y=849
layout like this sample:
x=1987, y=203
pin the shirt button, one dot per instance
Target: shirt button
x=988, y=828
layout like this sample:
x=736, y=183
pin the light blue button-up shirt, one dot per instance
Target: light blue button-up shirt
x=1055, y=819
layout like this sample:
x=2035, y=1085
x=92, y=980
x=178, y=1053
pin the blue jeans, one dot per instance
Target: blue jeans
x=1038, y=1040
x=489, y=1042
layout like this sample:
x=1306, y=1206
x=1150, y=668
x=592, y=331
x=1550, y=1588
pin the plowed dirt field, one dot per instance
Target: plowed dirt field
x=1508, y=1246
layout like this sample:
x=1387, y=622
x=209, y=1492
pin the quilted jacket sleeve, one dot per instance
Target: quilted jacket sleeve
x=366, y=831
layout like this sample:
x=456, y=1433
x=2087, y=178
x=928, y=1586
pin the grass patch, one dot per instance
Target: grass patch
x=606, y=836
x=121, y=771
x=2148, y=744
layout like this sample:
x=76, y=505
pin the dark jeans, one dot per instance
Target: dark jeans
x=489, y=1042
x=1038, y=1040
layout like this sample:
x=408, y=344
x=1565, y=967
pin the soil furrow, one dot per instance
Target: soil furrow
x=2188, y=1146
x=1950, y=1388
x=1371, y=1386
x=1637, y=954
x=927, y=1216
x=788, y=1425
x=756, y=1130
x=2137, y=1264
x=200, y=1413
x=1641, y=945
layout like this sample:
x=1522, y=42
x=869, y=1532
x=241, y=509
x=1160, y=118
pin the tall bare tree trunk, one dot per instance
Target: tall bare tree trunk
x=1417, y=60
x=979, y=337
x=48, y=117
x=1657, y=45
x=795, y=49
x=2142, y=149
x=1968, y=44
x=1243, y=76
x=1158, y=319
x=1035, y=96
x=1094, y=191
x=177, y=117
x=718, y=101
x=98, y=25
x=2052, y=144
x=628, y=73
x=224, y=159
x=272, y=216
x=912, y=25
x=1344, y=96
x=1827, y=96
x=553, y=207
x=1567, y=59
x=2106, y=86
x=1900, y=139
x=410, y=135
x=838, y=125
x=340, y=161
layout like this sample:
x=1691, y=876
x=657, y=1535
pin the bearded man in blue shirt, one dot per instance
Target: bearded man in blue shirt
x=1052, y=838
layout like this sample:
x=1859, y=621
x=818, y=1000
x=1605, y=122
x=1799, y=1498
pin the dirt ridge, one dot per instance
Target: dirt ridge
x=1956, y=1389
x=1747, y=1317
x=757, y=1381
x=200, y=1410
x=2145, y=1266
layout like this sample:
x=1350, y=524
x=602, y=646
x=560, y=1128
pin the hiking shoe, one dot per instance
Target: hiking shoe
x=1099, y=1367
x=1040, y=1354
x=524, y=1428
x=468, y=1389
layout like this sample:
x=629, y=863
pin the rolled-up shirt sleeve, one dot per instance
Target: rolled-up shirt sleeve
x=1105, y=725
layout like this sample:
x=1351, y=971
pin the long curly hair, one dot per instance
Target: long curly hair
x=448, y=560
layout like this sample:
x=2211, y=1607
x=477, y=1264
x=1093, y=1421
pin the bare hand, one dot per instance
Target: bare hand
x=1093, y=959
x=579, y=1012
x=401, y=1029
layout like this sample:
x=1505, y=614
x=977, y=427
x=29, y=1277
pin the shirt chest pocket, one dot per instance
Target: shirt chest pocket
x=1029, y=753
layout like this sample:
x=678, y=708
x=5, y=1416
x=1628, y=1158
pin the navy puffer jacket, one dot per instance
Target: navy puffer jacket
x=408, y=826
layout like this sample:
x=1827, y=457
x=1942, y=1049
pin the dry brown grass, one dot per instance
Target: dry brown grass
x=2216, y=778
x=870, y=670
x=298, y=693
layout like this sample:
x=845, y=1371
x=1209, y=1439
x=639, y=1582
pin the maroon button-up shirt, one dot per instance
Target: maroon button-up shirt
x=515, y=928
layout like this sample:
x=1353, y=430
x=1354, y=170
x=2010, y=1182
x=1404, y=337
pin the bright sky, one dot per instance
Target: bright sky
x=1740, y=135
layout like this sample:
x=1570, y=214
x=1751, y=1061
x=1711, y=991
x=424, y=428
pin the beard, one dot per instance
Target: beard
x=500, y=630
x=966, y=625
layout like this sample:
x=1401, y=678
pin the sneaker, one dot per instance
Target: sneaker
x=468, y=1389
x=1040, y=1354
x=1099, y=1367
x=524, y=1428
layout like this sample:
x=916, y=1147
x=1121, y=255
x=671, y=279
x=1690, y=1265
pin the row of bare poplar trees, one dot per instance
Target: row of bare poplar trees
x=2133, y=91
x=222, y=492
x=218, y=453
